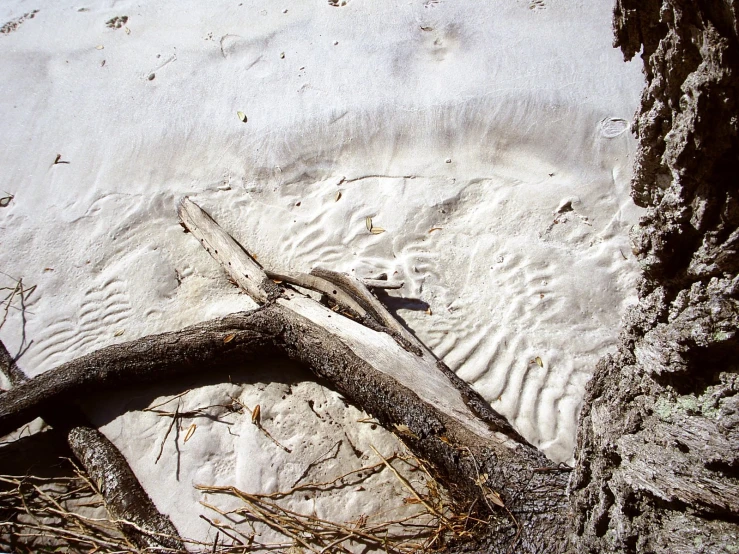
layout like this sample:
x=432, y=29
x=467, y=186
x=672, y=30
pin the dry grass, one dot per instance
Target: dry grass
x=66, y=514
x=55, y=515
x=13, y=298
x=431, y=527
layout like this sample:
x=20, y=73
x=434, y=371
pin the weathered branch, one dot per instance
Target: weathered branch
x=235, y=337
x=357, y=290
x=125, y=498
x=382, y=284
x=229, y=253
x=438, y=415
x=9, y=367
x=312, y=282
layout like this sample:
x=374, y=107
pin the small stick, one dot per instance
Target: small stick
x=374, y=307
x=220, y=528
x=9, y=368
x=382, y=284
x=321, y=458
x=270, y=437
x=258, y=423
x=152, y=408
x=324, y=286
x=169, y=429
x=307, y=486
x=407, y=485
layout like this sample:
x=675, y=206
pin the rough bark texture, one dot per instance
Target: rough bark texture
x=492, y=464
x=658, y=449
x=658, y=458
x=9, y=368
x=125, y=498
x=520, y=475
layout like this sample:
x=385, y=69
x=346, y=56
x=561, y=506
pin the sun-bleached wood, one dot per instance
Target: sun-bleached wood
x=312, y=282
x=358, y=290
x=382, y=284
x=224, y=249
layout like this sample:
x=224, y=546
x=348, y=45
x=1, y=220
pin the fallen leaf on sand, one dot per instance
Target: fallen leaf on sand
x=190, y=432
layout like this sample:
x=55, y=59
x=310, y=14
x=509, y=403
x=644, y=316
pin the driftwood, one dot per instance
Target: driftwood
x=391, y=375
x=125, y=498
x=367, y=356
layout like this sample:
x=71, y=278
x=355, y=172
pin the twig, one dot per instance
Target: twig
x=259, y=425
x=152, y=408
x=21, y=349
x=317, y=461
x=407, y=485
x=220, y=528
x=169, y=429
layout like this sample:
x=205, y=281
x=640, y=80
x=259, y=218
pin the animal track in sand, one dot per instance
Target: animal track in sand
x=13, y=24
x=537, y=5
x=439, y=43
x=117, y=22
x=611, y=127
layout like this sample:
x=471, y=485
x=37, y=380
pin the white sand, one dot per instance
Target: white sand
x=500, y=124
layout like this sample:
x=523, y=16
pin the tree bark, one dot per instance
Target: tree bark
x=236, y=337
x=658, y=448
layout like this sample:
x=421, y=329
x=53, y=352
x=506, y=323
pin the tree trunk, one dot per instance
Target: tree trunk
x=658, y=449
